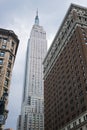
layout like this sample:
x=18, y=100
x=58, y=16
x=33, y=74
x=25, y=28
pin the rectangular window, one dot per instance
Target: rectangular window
x=29, y=100
x=74, y=124
x=6, y=82
x=81, y=93
x=2, y=54
x=79, y=120
x=85, y=118
x=8, y=73
x=83, y=108
x=82, y=100
x=1, y=61
x=79, y=17
x=12, y=44
x=72, y=108
x=0, y=69
x=4, y=40
x=9, y=64
x=10, y=57
x=3, y=46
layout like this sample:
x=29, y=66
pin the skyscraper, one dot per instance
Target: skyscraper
x=32, y=111
x=65, y=74
x=8, y=48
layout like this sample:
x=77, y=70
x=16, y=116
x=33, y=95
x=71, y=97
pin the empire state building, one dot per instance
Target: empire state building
x=32, y=111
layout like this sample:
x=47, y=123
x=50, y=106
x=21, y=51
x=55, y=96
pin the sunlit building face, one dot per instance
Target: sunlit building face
x=32, y=115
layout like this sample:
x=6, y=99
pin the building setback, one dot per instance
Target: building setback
x=65, y=74
x=8, y=48
x=32, y=112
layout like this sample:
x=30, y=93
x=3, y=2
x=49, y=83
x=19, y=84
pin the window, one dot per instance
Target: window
x=65, y=99
x=71, y=101
x=10, y=57
x=29, y=100
x=79, y=120
x=79, y=86
x=1, y=61
x=72, y=108
x=84, y=74
x=62, y=116
x=9, y=64
x=70, y=94
x=81, y=93
x=78, y=79
x=2, y=54
x=84, y=108
x=69, y=88
x=73, y=116
x=67, y=112
x=3, y=46
x=74, y=124
x=12, y=44
x=82, y=100
x=65, y=93
x=67, y=120
x=4, y=40
x=8, y=73
x=0, y=69
x=77, y=105
x=6, y=82
x=66, y=106
x=85, y=117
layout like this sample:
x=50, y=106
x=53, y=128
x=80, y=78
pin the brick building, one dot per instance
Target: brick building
x=65, y=74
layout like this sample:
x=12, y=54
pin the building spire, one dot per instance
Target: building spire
x=37, y=18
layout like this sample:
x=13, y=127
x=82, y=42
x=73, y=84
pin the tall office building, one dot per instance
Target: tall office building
x=65, y=74
x=32, y=113
x=8, y=48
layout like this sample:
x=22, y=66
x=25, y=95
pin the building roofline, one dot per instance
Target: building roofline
x=10, y=33
x=64, y=19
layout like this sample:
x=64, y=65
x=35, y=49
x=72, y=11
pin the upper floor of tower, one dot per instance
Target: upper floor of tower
x=37, y=19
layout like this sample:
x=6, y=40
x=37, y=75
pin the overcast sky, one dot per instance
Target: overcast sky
x=18, y=15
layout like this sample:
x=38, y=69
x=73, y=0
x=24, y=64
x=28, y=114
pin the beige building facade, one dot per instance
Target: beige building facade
x=8, y=49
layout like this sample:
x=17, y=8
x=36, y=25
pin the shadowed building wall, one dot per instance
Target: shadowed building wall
x=65, y=74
